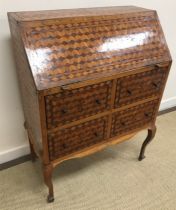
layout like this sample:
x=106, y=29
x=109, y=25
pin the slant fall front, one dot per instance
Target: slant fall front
x=89, y=78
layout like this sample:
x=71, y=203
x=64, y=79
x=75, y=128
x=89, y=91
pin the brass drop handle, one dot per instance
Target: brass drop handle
x=65, y=87
x=146, y=114
x=96, y=134
x=129, y=92
x=98, y=101
x=123, y=123
x=154, y=84
x=158, y=66
x=64, y=145
x=63, y=111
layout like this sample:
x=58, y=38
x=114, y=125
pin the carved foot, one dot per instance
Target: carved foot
x=47, y=173
x=50, y=199
x=141, y=157
x=150, y=136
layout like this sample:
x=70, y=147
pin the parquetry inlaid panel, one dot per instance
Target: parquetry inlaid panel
x=67, y=141
x=133, y=118
x=91, y=77
x=62, y=52
x=71, y=105
x=140, y=86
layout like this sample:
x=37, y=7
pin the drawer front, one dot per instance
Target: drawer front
x=71, y=105
x=133, y=118
x=69, y=140
x=139, y=86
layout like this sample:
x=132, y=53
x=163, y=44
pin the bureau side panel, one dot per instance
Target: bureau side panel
x=29, y=94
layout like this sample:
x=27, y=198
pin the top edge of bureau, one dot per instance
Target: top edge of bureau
x=25, y=16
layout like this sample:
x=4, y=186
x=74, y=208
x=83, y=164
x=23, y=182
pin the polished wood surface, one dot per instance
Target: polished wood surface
x=80, y=12
x=89, y=78
x=68, y=50
x=85, y=101
x=29, y=94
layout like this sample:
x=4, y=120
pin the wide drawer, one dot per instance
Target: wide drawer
x=71, y=105
x=70, y=140
x=133, y=118
x=139, y=86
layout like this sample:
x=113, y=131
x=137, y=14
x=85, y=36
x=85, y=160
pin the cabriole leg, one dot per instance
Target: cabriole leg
x=33, y=153
x=47, y=173
x=150, y=136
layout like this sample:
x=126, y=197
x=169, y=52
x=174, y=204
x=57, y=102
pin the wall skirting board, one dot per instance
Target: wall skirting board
x=14, y=153
x=168, y=103
x=22, y=151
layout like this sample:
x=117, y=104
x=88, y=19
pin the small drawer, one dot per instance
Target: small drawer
x=139, y=86
x=73, y=139
x=133, y=118
x=71, y=105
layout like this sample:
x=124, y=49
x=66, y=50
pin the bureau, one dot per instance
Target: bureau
x=89, y=78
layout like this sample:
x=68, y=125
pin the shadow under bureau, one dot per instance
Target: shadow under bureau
x=89, y=78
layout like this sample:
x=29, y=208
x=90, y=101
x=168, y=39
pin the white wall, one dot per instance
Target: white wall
x=13, y=140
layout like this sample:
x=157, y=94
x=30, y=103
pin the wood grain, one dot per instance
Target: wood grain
x=89, y=78
x=68, y=50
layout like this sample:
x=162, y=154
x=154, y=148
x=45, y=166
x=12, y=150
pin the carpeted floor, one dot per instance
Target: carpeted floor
x=112, y=179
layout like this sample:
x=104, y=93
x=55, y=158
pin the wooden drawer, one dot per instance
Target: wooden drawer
x=71, y=105
x=139, y=86
x=132, y=118
x=69, y=140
